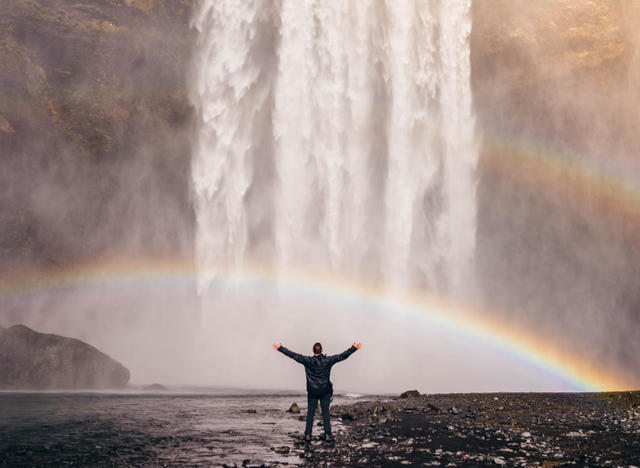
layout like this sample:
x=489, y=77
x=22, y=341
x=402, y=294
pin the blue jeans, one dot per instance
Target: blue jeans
x=311, y=412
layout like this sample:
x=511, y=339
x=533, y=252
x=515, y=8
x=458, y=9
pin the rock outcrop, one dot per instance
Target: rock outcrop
x=155, y=388
x=37, y=361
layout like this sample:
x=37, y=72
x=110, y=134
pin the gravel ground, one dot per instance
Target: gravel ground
x=477, y=430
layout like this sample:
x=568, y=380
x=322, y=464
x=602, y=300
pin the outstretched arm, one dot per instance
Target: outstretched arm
x=295, y=356
x=342, y=356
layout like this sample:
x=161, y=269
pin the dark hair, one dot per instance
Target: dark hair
x=317, y=348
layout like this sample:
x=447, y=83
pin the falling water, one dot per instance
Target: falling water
x=336, y=135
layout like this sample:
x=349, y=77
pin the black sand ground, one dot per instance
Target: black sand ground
x=477, y=430
x=468, y=430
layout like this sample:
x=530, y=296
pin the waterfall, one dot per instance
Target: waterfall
x=336, y=136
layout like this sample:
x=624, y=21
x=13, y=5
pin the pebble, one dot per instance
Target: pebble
x=554, y=419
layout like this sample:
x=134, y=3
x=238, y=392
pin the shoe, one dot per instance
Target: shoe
x=328, y=438
x=307, y=439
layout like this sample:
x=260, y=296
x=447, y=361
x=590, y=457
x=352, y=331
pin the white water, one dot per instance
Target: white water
x=336, y=135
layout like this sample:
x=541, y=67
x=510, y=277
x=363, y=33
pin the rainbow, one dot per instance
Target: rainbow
x=580, y=373
x=572, y=181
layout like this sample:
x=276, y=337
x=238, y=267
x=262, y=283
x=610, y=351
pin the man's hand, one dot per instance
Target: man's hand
x=277, y=346
x=357, y=345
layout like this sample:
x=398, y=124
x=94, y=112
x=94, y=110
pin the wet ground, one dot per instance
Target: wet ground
x=179, y=430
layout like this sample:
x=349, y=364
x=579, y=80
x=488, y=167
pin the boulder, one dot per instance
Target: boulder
x=257, y=463
x=37, y=361
x=294, y=409
x=410, y=394
x=155, y=388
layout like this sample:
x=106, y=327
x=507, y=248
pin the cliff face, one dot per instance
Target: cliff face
x=562, y=71
x=95, y=121
x=557, y=93
x=94, y=125
x=36, y=361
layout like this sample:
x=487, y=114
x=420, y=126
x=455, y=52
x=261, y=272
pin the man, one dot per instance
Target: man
x=319, y=386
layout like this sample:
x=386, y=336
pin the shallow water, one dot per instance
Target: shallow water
x=141, y=429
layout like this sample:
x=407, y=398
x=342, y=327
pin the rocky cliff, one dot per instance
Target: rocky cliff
x=94, y=129
x=94, y=141
x=557, y=93
x=95, y=120
x=36, y=361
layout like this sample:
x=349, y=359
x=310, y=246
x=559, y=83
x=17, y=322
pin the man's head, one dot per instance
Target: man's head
x=317, y=348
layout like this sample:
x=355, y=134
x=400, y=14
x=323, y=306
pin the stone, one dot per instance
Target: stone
x=284, y=450
x=499, y=461
x=294, y=408
x=370, y=445
x=253, y=463
x=251, y=411
x=38, y=361
x=525, y=435
x=410, y=394
x=576, y=434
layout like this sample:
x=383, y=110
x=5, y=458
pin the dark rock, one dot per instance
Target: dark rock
x=155, y=388
x=37, y=361
x=294, y=409
x=229, y=465
x=385, y=407
x=251, y=411
x=433, y=408
x=284, y=450
x=348, y=417
x=410, y=394
x=257, y=463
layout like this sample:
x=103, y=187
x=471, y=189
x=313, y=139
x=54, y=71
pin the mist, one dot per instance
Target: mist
x=102, y=156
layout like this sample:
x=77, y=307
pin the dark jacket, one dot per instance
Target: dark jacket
x=318, y=368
